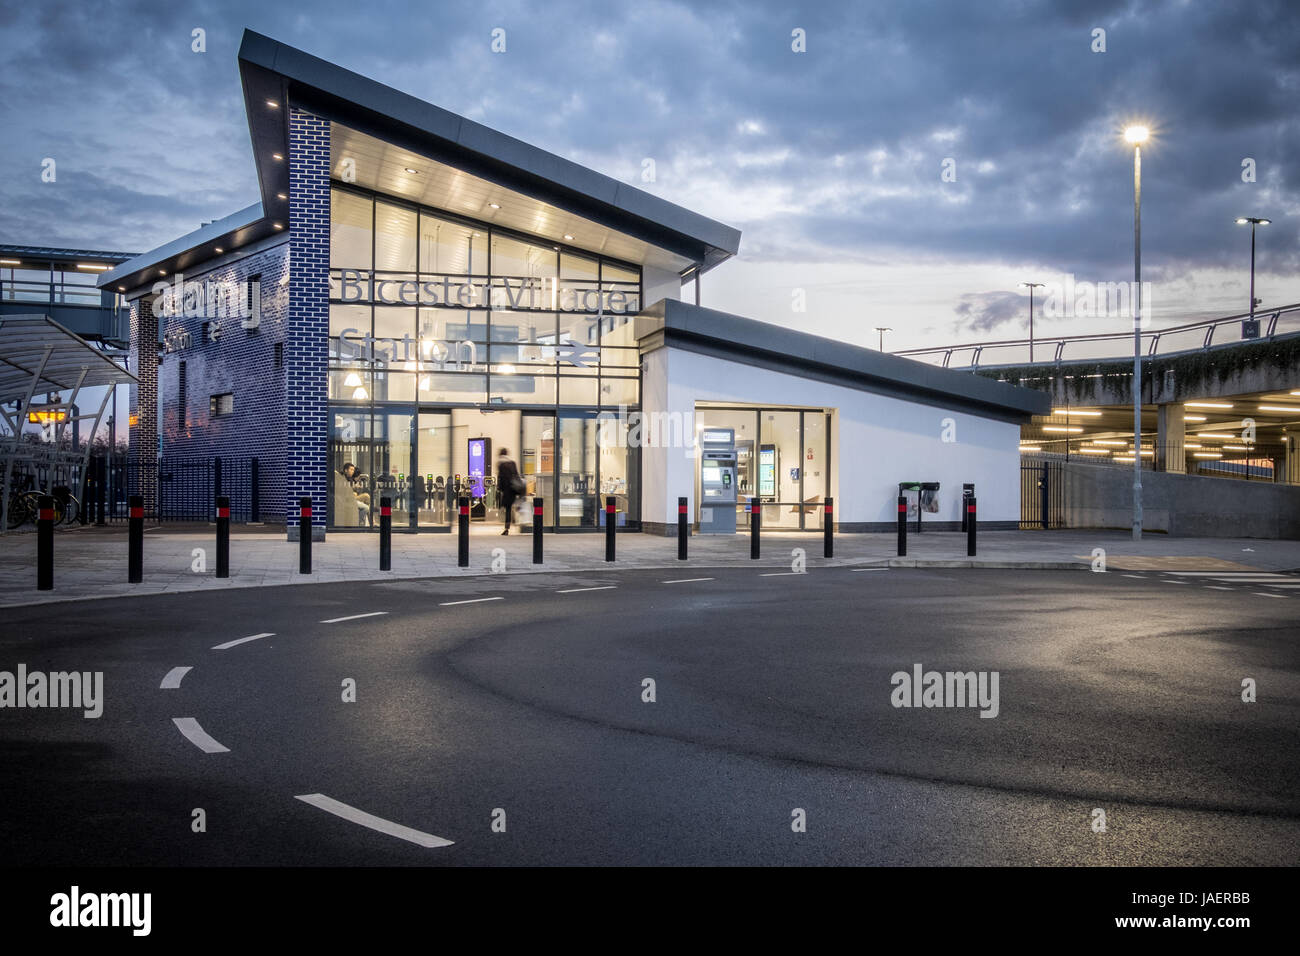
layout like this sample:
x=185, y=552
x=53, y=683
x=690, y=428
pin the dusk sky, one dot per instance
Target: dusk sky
x=828, y=160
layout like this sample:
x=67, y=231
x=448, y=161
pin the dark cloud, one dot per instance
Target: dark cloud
x=830, y=154
x=984, y=311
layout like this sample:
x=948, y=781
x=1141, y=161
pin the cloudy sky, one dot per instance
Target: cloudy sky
x=829, y=160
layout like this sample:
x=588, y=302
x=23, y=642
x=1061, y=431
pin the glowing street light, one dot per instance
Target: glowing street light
x=1137, y=135
x=1254, y=221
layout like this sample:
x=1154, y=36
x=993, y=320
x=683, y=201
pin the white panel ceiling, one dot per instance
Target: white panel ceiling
x=383, y=167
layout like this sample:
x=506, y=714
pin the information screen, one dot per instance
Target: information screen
x=478, y=454
x=767, y=472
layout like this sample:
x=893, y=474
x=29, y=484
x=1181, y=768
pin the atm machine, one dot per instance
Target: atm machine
x=718, y=481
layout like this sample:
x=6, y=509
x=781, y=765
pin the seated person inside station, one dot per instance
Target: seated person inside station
x=351, y=508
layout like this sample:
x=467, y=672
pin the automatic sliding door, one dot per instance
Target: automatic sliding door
x=537, y=465
x=576, y=468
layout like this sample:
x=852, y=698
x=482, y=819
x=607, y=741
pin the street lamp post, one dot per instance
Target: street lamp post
x=1031, y=286
x=1137, y=135
x=1254, y=221
x=882, y=329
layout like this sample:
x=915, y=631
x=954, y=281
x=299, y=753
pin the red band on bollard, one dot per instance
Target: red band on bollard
x=609, y=509
x=902, y=509
x=829, y=508
x=753, y=508
x=537, y=511
x=137, y=512
x=681, y=509
x=223, y=512
x=46, y=514
x=970, y=509
x=385, y=511
x=464, y=509
x=305, y=512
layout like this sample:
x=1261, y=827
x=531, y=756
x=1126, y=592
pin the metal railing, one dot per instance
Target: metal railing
x=1111, y=345
x=1203, y=460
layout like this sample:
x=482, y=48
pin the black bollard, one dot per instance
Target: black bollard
x=902, y=525
x=610, y=515
x=45, y=544
x=538, y=506
x=223, y=536
x=135, y=541
x=304, y=535
x=462, y=531
x=970, y=526
x=385, y=534
x=829, y=530
x=754, y=516
x=683, y=532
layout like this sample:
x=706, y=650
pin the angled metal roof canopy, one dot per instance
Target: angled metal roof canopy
x=39, y=355
x=274, y=73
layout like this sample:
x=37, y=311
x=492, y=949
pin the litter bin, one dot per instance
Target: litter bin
x=927, y=497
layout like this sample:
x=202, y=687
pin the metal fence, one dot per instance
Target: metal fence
x=174, y=489
x=1042, y=495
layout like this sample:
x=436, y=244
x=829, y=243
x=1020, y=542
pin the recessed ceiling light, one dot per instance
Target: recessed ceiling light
x=273, y=104
x=277, y=156
x=567, y=237
x=1208, y=404
x=413, y=172
x=1278, y=408
x=278, y=226
x=220, y=250
x=121, y=288
x=281, y=195
x=495, y=205
x=162, y=272
x=94, y=266
x=11, y=262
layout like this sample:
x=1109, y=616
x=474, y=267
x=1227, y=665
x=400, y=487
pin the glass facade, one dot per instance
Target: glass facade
x=782, y=458
x=445, y=331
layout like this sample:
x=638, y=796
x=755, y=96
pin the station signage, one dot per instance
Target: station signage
x=516, y=293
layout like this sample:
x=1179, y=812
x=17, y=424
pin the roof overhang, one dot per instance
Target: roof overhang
x=208, y=242
x=273, y=73
x=672, y=323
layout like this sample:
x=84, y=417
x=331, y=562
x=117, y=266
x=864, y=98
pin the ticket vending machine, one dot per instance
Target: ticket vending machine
x=718, y=481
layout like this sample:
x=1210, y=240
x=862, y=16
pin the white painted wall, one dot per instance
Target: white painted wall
x=659, y=284
x=876, y=441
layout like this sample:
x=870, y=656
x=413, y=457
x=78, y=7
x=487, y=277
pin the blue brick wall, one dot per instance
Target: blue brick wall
x=306, y=350
x=143, y=362
x=242, y=362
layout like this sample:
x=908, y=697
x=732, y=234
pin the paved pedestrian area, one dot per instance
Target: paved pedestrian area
x=92, y=562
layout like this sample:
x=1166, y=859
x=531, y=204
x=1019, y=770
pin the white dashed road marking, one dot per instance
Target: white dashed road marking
x=353, y=617
x=353, y=815
x=198, y=736
x=780, y=574
x=174, y=677
x=685, y=580
x=243, y=640
x=605, y=587
x=470, y=601
x=868, y=569
x=1266, y=594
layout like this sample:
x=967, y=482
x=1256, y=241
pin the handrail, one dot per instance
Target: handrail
x=1152, y=336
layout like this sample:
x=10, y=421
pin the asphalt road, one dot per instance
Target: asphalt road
x=1117, y=692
